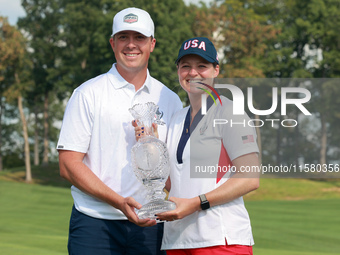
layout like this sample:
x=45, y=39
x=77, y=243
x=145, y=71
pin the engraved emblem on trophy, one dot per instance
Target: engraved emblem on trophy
x=150, y=161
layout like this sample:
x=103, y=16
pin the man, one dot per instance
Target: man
x=95, y=146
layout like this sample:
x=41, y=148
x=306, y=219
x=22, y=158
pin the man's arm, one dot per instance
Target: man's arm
x=77, y=173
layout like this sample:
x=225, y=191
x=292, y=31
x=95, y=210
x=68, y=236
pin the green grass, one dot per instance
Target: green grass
x=44, y=175
x=33, y=219
x=295, y=216
x=296, y=227
x=296, y=189
x=289, y=216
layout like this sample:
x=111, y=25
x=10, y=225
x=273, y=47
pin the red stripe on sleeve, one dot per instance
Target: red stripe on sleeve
x=224, y=163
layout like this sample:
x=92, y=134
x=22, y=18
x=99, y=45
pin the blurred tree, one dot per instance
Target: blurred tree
x=3, y=83
x=241, y=39
x=42, y=27
x=87, y=28
x=307, y=47
x=324, y=37
x=239, y=36
x=84, y=32
x=173, y=22
x=15, y=71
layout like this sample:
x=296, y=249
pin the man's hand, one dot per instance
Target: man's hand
x=128, y=206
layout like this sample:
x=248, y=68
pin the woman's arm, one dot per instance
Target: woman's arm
x=238, y=185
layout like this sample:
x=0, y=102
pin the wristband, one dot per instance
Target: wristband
x=204, y=202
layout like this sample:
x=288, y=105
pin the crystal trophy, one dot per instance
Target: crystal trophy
x=150, y=161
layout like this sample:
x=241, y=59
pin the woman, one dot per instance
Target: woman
x=206, y=181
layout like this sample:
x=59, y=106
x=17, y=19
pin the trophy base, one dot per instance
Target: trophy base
x=149, y=210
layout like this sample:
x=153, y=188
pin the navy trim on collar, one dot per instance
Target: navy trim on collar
x=187, y=130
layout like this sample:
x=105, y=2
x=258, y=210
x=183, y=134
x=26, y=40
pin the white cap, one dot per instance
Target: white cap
x=133, y=19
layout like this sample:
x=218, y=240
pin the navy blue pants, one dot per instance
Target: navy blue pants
x=91, y=236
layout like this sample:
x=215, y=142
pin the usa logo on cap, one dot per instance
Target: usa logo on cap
x=200, y=46
x=194, y=44
x=130, y=18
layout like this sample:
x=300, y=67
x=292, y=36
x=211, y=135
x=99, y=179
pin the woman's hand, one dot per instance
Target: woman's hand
x=141, y=132
x=184, y=207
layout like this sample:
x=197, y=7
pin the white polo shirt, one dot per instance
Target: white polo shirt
x=97, y=122
x=207, y=148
